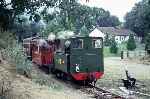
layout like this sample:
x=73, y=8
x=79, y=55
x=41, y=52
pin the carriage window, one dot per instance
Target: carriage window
x=77, y=43
x=97, y=43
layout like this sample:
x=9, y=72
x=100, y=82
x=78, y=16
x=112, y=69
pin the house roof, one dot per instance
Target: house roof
x=96, y=33
x=116, y=31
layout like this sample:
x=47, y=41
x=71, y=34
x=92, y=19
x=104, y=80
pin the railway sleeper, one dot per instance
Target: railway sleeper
x=106, y=95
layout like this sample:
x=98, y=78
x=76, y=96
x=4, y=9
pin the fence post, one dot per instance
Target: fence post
x=135, y=54
x=145, y=53
x=121, y=54
x=139, y=53
x=127, y=54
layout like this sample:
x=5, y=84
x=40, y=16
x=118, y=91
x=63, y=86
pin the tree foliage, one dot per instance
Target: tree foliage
x=12, y=52
x=53, y=27
x=138, y=19
x=9, y=10
x=67, y=14
x=6, y=40
x=131, y=45
x=113, y=46
x=147, y=43
x=84, y=31
x=107, y=40
x=74, y=16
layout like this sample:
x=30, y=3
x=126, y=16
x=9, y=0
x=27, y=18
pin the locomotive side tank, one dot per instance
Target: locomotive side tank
x=81, y=58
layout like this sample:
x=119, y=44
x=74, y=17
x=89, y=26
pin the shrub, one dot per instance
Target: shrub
x=107, y=41
x=113, y=46
x=131, y=45
x=84, y=31
x=147, y=43
x=6, y=39
x=16, y=56
x=13, y=53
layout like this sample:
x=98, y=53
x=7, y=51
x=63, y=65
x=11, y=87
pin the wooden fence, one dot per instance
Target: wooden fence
x=133, y=54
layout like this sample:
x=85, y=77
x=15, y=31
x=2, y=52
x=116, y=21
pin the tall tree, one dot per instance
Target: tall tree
x=9, y=11
x=138, y=19
x=73, y=16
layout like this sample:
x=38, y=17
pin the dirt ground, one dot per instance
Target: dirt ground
x=41, y=86
x=115, y=71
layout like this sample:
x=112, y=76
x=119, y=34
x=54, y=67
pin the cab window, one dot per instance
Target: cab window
x=97, y=43
x=77, y=44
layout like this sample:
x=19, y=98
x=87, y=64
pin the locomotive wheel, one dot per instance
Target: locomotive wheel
x=52, y=70
x=59, y=75
x=68, y=77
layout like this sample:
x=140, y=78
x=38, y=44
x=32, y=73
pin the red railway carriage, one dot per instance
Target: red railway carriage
x=42, y=52
x=39, y=50
x=28, y=44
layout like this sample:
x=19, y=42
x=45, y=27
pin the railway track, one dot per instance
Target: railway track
x=93, y=91
x=100, y=93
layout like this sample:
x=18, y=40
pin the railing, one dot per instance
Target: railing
x=133, y=54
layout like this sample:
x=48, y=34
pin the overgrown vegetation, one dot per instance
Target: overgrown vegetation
x=107, y=52
x=113, y=46
x=13, y=53
x=16, y=56
x=131, y=45
x=6, y=40
x=147, y=43
x=43, y=79
x=138, y=19
x=107, y=41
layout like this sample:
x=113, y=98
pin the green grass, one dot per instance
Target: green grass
x=121, y=47
x=108, y=54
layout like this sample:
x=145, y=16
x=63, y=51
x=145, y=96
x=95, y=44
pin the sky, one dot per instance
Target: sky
x=116, y=7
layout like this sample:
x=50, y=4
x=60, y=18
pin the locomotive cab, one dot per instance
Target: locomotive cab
x=87, y=58
x=81, y=57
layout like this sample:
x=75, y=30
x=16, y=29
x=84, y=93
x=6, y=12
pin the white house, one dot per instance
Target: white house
x=121, y=35
x=96, y=33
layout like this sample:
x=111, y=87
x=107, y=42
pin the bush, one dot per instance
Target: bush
x=6, y=39
x=147, y=43
x=107, y=41
x=13, y=53
x=16, y=56
x=131, y=45
x=113, y=46
x=84, y=31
